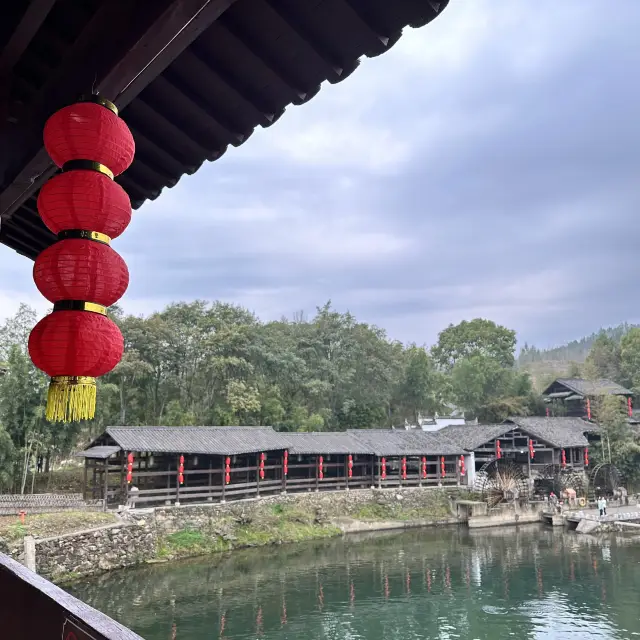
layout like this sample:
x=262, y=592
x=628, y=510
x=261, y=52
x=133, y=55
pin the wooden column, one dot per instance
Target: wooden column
x=123, y=483
x=177, y=481
x=317, y=475
x=94, y=480
x=224, y=481
x=529, y=461
x=106, y=483
x=284, y=478
x=379, y=472
x=438, y=471
x=210, y=497
x=400, y=472
x=85, y=478
x=420, y=471
x=346, y=471
x=258, y=475
x=458, y=471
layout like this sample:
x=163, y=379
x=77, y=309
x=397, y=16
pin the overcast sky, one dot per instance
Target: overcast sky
x=488, y=165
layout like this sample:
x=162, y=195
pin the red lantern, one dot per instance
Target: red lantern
x=547, y=411
x=262, y=458
x=383, y=472
x=442, y=469
x=564, y=458
x=84, y=199
x=404, y=468
x=586, y=456
x=462, y=467
x=588, y=409
x=498, y=450
x=89, y=131
x=227, y=470
x=320, y=468
x=532, y=451
x=350, y=466
x=129, y=468
x=630, y=407
x=81, y=269
x=181, y=470
x=285, y=469
x=81, y=274
x=424, y=467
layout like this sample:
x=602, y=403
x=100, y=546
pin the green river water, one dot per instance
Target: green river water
x=530, y=582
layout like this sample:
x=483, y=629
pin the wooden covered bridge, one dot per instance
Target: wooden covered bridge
x=179, y=464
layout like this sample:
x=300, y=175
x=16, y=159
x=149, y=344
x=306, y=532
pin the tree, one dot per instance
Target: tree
x=477, y=337
x=630, y=359
x=603, y=360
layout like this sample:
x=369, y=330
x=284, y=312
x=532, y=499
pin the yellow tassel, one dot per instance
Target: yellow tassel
x=71, y=399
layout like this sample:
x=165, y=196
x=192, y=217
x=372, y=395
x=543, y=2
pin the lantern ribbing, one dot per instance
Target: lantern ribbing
x=81, y=274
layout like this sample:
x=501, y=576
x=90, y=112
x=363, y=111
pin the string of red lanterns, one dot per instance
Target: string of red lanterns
x=586, y=456
x=532, y=451
x=424, y=468
x=588, y=409
x=404, y=468
x=442, y=468
x=181, y=470
x=285, y=465
x=463, y=469
x=350, y=466
x=129, y=468
x=81, y=274
x=630, y=407
x=383, y=471
x=498, y=450
x=564, y=458
x=262, y=459
x=320, y=468
x=227, y=470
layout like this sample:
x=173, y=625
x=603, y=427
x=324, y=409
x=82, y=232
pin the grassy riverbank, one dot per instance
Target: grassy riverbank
x=282, y=523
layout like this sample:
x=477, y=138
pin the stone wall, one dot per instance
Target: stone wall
x=96, y=550
x=12, y=504
x=138, y=537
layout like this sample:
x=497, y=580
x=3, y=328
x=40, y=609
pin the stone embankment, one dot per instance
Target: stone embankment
x=152, y=535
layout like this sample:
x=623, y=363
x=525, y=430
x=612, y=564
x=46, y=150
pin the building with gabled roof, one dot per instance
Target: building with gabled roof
x=573, y=396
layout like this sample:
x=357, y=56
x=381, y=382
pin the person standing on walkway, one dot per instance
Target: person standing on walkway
x=602, y=506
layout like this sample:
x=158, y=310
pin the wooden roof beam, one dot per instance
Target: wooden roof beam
x=31, y=21
x=170, y=32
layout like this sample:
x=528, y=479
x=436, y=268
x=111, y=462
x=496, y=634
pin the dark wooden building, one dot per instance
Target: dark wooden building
x=573, y=396
x=197, y=464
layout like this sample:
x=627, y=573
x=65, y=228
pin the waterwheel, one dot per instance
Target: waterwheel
x=501, y=481
x=604, y=479
x=555, y=478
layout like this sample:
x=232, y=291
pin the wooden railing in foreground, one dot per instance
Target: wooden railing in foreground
x=31, y=608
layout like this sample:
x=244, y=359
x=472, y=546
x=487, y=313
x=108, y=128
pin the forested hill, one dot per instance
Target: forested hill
x=574, y=351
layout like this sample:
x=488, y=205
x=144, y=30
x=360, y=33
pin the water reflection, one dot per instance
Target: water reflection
x=525, y=583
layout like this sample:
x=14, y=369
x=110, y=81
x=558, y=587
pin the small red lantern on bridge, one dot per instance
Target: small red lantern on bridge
x=285, y=464
x=129, y=468
x=383, y=471
x=442, y=468
x=320, y=468
x=424, y=467
x=227, y=470
x=404, y=468
x=564, y=458
x=350, y=466
x=181, y=470
x=262, y=459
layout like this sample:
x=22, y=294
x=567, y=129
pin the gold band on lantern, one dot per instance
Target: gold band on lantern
x=79, y=305
x=71, y=399
x=96, y=236
x=103, y=102
x=87, y=165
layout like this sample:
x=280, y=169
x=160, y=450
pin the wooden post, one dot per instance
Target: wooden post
x=400, y=470
x=177, y=481
x=420, y=472
x=284, y=478
x=379, y=473
x=123, y=483
x=224, y=482
x=529, y=460
x=210, y=497
x=106, y=483
x=317, y=475
x=438, y=470
x=258, y=475
x=95, y=480
x=346, y=472
x=458, y=471
x=84, y=479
